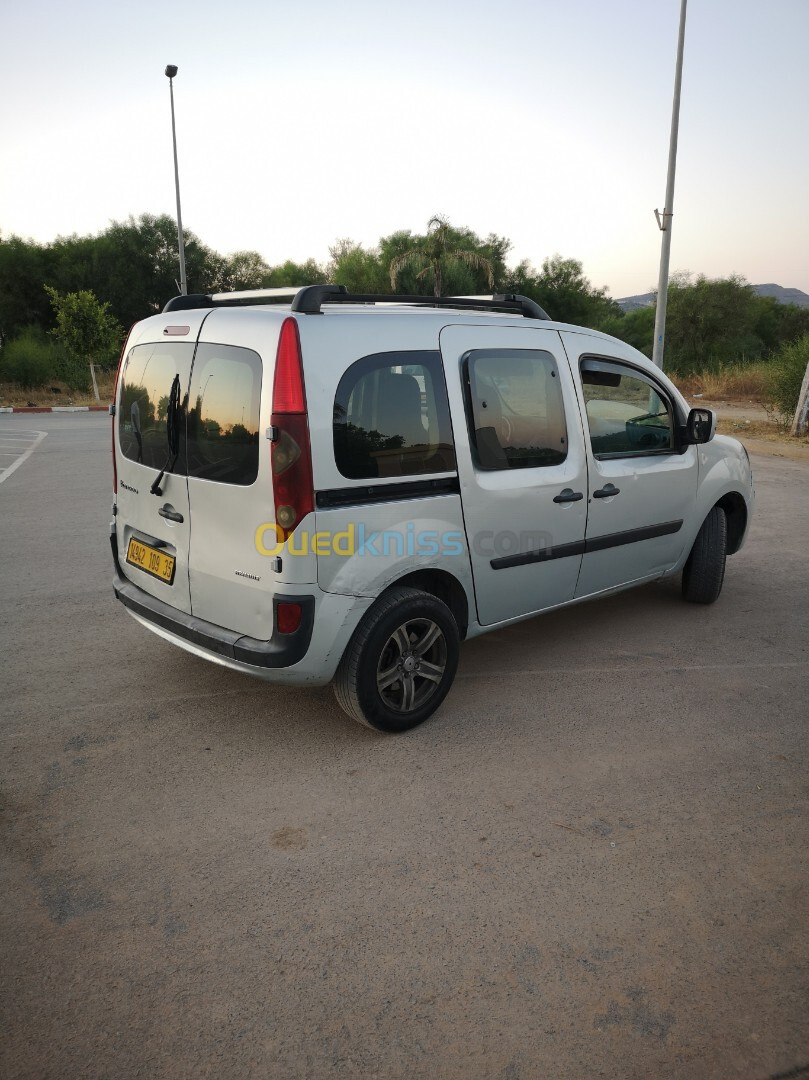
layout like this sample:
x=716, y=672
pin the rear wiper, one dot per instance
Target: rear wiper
x=172, y=434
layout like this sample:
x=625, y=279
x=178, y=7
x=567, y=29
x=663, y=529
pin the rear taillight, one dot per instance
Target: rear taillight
x=114, y=400
x=291, y=454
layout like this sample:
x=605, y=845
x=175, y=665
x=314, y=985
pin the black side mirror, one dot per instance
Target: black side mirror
x=700, y=426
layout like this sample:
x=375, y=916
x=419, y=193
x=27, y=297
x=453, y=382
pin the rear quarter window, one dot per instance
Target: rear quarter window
x=391, y=417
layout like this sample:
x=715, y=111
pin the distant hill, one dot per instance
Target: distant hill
x=782, y=295
x=630, y=303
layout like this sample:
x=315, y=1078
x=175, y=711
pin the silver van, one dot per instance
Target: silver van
x=311, y=485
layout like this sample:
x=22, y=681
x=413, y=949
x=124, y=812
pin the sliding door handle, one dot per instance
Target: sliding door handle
x=606, y=492
x=568, y=495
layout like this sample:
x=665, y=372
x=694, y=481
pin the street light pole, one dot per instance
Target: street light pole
x=171, y=71
x=202, y=395
x=664, y=220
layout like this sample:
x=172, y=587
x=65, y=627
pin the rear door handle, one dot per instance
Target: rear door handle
x=606, y=492
x=568, y=495
x=170, y=513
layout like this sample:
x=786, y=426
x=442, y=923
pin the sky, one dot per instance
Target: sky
x=301, y=123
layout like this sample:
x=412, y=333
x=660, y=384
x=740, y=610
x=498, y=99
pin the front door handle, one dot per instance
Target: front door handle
x=606, y=491
x=169, y=512
x=568, y=495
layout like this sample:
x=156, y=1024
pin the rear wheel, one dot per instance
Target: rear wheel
x=400, y=664
x=705, y=570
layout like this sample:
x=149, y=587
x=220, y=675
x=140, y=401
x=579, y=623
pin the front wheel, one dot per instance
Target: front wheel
x=705, y=570
x=401, y=661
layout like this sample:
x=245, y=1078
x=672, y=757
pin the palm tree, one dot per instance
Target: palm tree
x=434, y=253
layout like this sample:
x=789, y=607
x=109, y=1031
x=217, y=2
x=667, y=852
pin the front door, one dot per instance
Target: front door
x=521, y=464
x=642, y=487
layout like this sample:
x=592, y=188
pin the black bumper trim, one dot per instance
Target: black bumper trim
x=282, y=650
x=584, y=547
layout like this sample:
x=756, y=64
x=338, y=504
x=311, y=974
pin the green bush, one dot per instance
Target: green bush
x=32, y=360
x=787, y=369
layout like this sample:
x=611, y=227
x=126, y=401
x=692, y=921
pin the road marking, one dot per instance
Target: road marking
x=37, y=436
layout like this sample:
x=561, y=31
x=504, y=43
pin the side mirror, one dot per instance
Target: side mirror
x=700, y=426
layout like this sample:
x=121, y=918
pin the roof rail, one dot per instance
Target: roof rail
x=232, y=299
x=309, y=300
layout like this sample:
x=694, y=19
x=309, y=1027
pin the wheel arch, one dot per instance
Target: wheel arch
x=445, y=587
x=735, y=509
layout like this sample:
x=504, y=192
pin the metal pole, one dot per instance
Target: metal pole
x=180, y=240
x=664, y=220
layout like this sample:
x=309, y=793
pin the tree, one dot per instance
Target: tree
x=566, y=294
x=292, y=273
x=710, y=323
x=434, y=251
x=86, y=330
x=137, y=265
x=636, y=328
x=245, y=270
x=24, y=266
x=360, y=270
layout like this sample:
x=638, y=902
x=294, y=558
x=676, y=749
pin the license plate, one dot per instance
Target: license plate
x=154, y=562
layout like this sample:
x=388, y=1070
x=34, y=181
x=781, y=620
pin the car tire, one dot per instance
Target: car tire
x=400, y=663
x=704, y=571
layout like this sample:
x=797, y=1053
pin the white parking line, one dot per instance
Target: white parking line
x=37, y=437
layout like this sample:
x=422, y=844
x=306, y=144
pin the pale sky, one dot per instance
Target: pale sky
x=302, y=122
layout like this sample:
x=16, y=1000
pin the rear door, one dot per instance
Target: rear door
x=229, y=478
x=153, y=529
x=521, y=464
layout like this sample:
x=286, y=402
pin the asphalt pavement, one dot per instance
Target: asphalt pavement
x=591, y=862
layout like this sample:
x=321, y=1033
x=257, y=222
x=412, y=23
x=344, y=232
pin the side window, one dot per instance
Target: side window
x=515, y=409
x=626, y=412
x=391, y=417
x=223, y=414
x=149, y=376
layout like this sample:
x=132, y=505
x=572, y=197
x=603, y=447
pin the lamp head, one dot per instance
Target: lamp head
x=171, y=70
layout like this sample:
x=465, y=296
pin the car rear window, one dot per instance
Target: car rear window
x=223, y=414
x=147, y=378
x=391, y=417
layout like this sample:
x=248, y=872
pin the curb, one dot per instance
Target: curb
x=54, y=408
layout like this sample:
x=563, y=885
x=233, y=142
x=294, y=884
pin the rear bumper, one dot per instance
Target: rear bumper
x=281, y=651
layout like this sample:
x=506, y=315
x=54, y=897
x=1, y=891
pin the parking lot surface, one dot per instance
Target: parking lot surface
x=591, y=862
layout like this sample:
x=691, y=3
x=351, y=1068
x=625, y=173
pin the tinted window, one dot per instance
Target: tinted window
x=516, y=413
x=223, y=414
x=625, y=412
x=391, y=417
x=147, y=379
